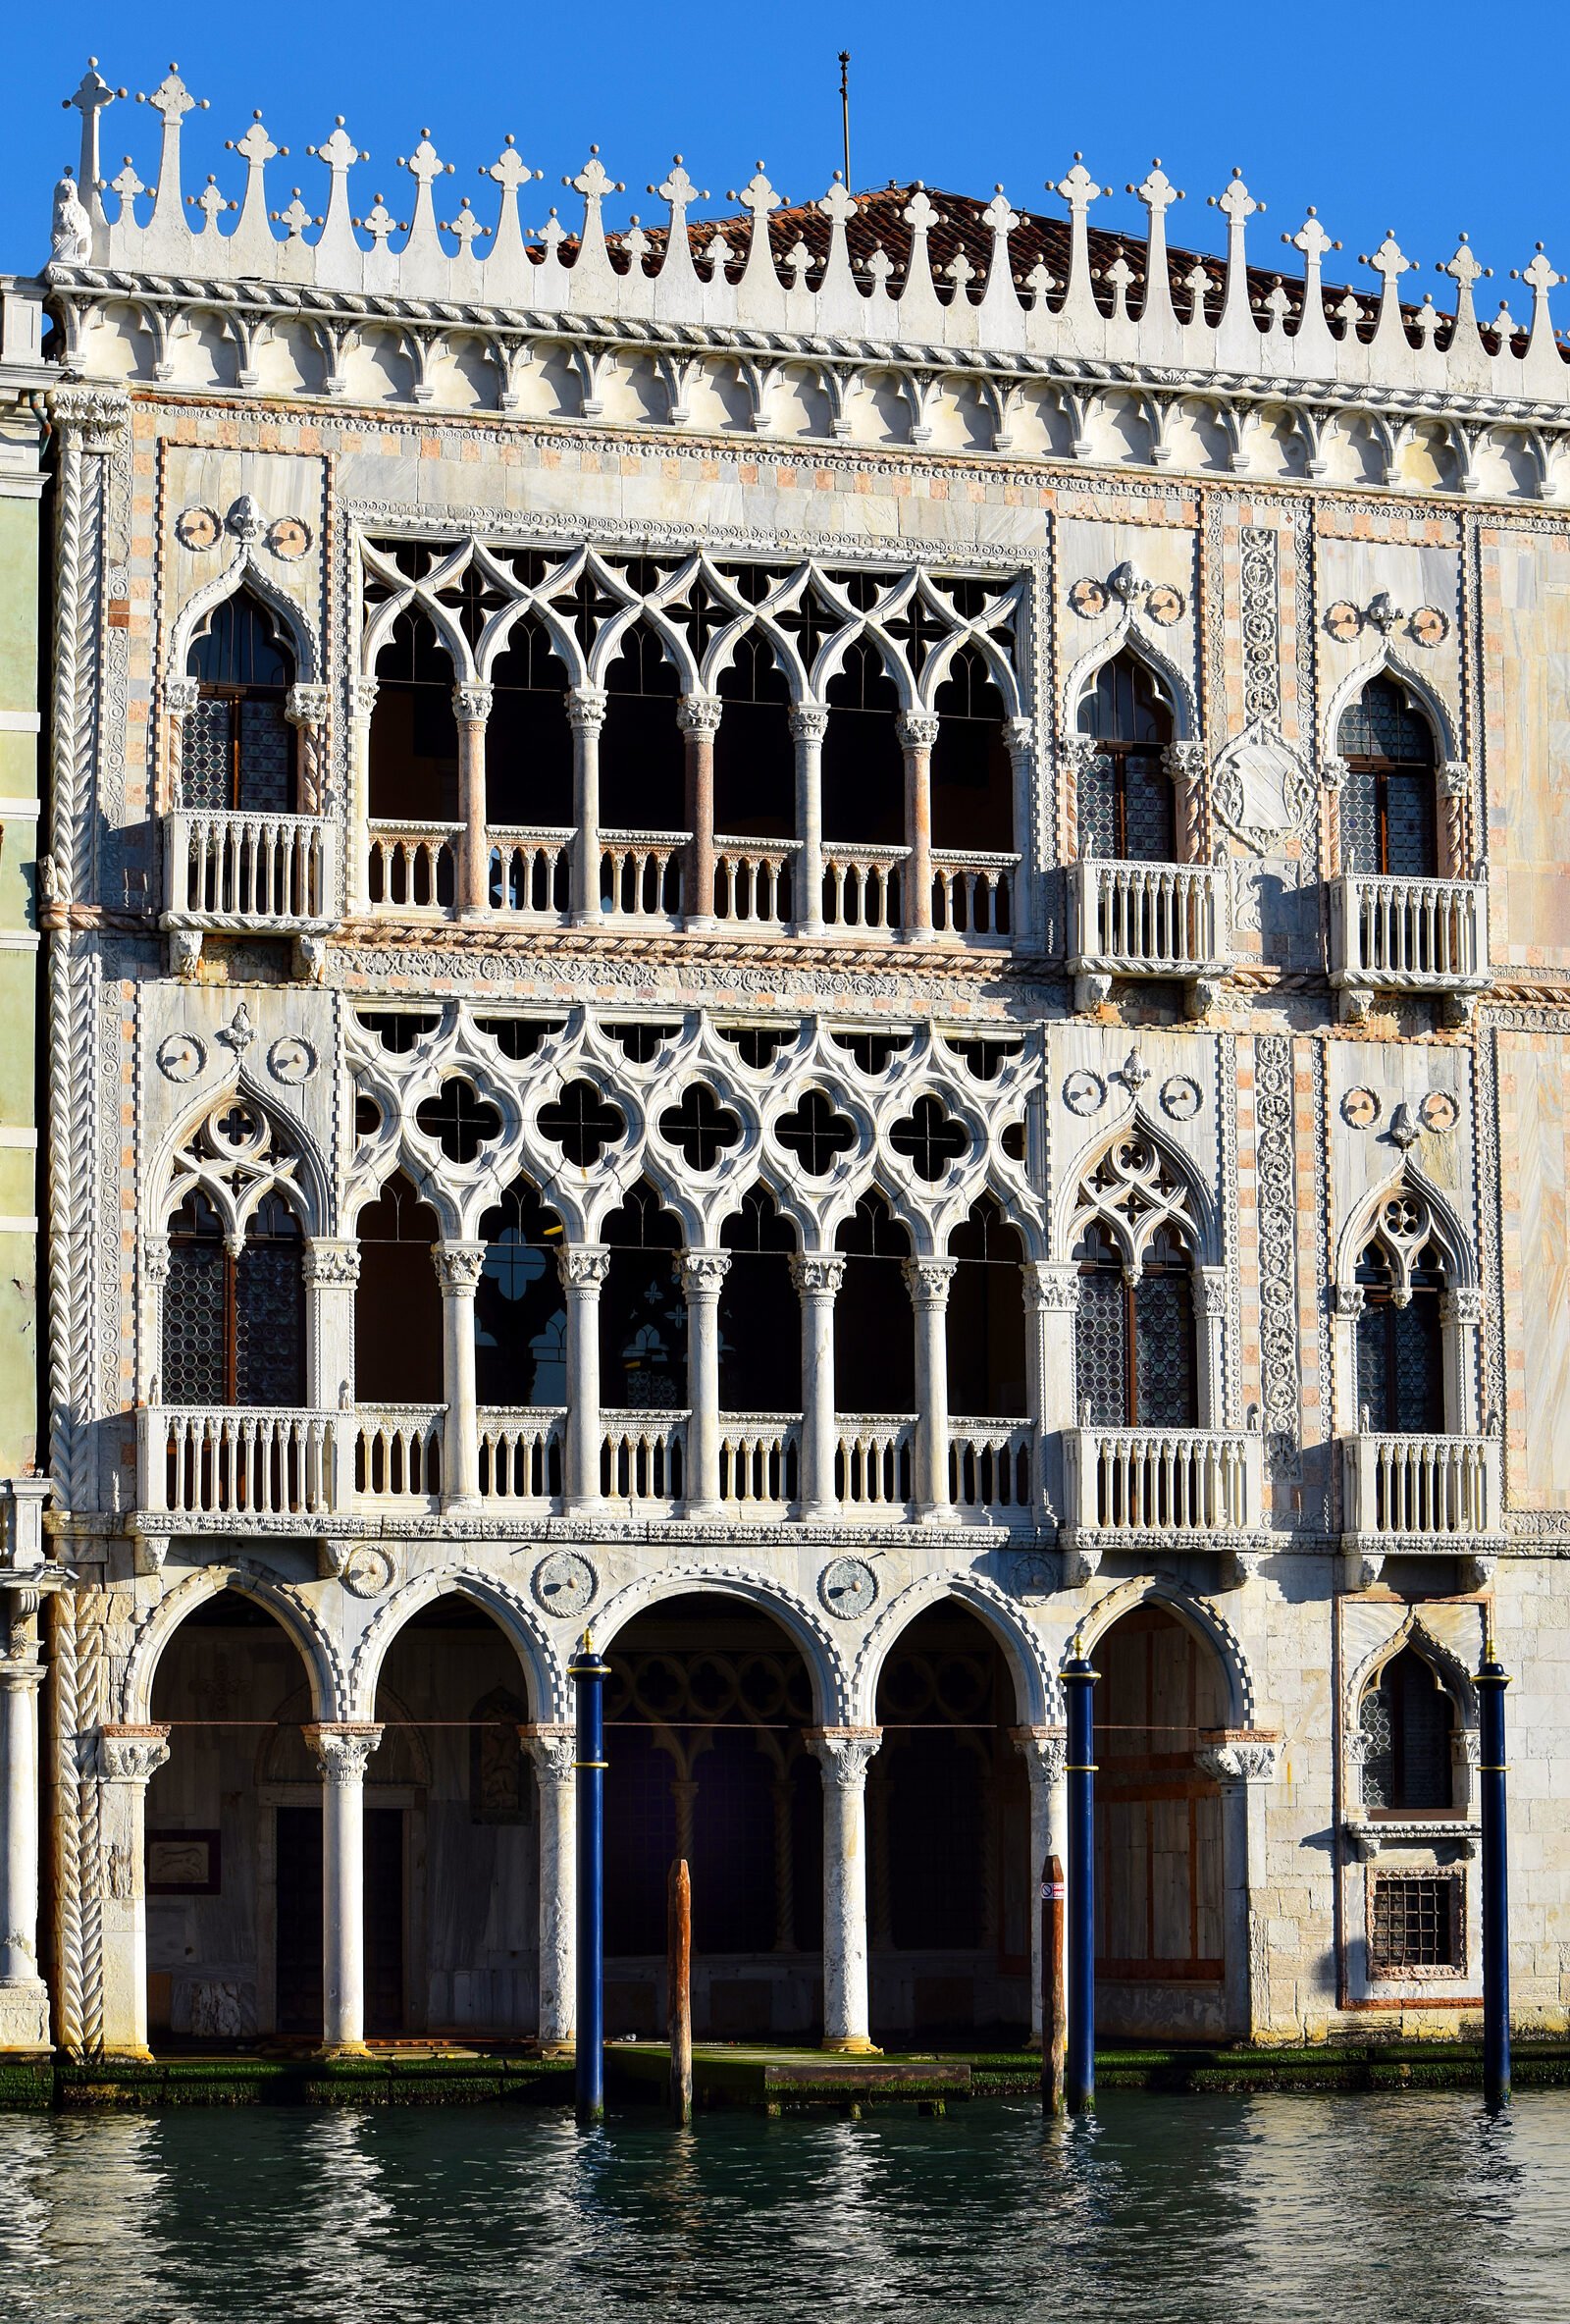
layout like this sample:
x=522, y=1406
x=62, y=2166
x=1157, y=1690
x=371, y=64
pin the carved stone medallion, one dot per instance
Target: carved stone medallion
x=848, y=1588
x=369, y=1569
x=1343, y=621
x=288, y=537
x=1180, y=1098
x=1439, y=1112
x=180, y=1057
x=1428, y=626
x=564, y=1584
x=1033, y=1578
x=1088, y=599
x=196, y=528
x=1084, y=1092
x=292, y=1059
x=1164, y=605
x=1360, y=1108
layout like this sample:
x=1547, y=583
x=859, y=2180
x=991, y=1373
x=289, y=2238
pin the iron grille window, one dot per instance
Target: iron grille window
x=1124, y=797
x=1414, y=1922
x=234, y=1322
x=238, y=748
x=1387, y=800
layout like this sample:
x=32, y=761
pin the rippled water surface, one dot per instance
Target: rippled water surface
x=1405, y=2210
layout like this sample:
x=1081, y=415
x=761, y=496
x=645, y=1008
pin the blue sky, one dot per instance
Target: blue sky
x=1427, y=120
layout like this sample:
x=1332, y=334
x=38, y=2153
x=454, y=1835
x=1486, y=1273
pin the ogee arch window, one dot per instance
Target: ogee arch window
x=1125, y=793
x=1387, y=797
x=237, y=746
x=235, y=1321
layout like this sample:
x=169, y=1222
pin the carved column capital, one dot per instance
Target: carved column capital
x=362, y=697
x=928, y=1281
x=700, y=1272
x=1051, y=1286
x=155, y=1259
x=342, y=1748
x=181, y=696
x=1240, y=1755
x=1462, y=1306
x=1332, y=772
x=98, y=417
x=809, y=724
x=583, y=1266
x=306, y=703
x=843, y=1753
x=818, y=1274
x=1210, y=1290
x=329, y=1262
x=458, y=1265
x=1019, y=736
x=1075, y=752
x=699, y=714
x=1044, y=1750
x=1185, y=762
x=917, y=730
x=586, y=708
x=132, y=1754
x=471, y=705
x=1347, y=1300
x=554, y=1750
x=1456, y=779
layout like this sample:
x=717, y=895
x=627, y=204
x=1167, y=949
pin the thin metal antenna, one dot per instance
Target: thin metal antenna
x=845, y=110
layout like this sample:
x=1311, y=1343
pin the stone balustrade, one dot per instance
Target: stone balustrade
x=1144, y=919
x=1422, y=1491
x=1129, y=1484
x=1407, y=935
x=231, y=868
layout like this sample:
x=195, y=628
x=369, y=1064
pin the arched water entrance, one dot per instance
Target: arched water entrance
x=452, y=1834
x=233, y=1882
x=948, y=1834
x=1161, y=1937
x=705, y=1716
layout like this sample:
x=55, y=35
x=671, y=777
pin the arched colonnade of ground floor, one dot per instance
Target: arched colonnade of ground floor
x=411, y=1875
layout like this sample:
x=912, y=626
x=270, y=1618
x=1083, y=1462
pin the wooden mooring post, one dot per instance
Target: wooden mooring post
x=1054, y=1999
x=679, y=1988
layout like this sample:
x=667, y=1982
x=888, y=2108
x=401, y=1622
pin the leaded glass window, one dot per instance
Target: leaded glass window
x=1387, y=798
x=237, y=746
x=234, y=1322
x=1134, y=1342
x=1124, y=796
x=1400, y=1351
x=1406, y=1724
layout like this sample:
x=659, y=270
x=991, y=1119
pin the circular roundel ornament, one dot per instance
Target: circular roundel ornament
x=1428, y=626
x=180, y=1057
x=368, y=1570
x=848, y=1588
x=1088, y=599
x=1343, y=621
x=1360, y=1109
x=564, y=1584
x=1439, y=1112
x=1164, y=605
x=196, y=528
x=288, y=536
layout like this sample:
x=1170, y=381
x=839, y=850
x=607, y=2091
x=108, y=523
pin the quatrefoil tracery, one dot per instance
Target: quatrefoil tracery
x=236, y=1155
x=1134, y=1190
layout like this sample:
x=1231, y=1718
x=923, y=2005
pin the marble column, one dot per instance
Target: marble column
x=1243, y=1761
x=919, y=732
x=23, y=1996
x=458, y=1267
x=586, y=713
x=1045, y=1755
x=817, y=1275
x=700, y=1273
x=844, y=1754
x=1051, y=1304
x=343, y=1749
x=1210, y=1321
x=127, y=1758
x=332, y=1271
x=305, y=707
x=808, y=725
x=554, y=1752
x=1019, y=735
x=583, y=1268
x=1461, y=1323
x=928, y=1281
x=362, y=702
x=698, y=715
x=471, y=708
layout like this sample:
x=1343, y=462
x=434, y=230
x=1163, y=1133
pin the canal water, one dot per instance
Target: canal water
x=1406, y=2210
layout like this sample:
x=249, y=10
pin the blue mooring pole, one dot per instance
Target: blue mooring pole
x=1080, y=2073
x=1491, y=1680
x=589, y=1674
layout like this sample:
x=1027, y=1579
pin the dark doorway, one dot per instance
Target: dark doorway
x=384, y=1920
x=297, y=1943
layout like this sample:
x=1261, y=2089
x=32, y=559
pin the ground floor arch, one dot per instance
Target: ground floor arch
x=948, y=1809
x=708, y=1715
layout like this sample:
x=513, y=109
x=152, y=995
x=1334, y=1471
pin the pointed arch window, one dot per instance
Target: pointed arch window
x=863, y=765
x=1400, y=1338
x=759, y=1315
x=875, y=1324
x=414, y=733
x=528, y=742
x=233, y=1323
x=754, y=755
x=520, y=1308
x=985, y=1318
x=397, y=1306
x=643, y=1315
x=236, y=745
x=1126, y=809
x=1388, y=797
x=643, y=759
x=973, y=774
x=1135, y=1353
x=1406, y=1723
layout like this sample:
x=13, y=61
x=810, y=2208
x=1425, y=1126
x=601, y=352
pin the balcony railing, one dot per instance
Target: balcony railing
x=236, y=869
x=641, y=874
x=1140, y=1481
x=759, y=1463
x=413, y=867
x=990, y=1469
x=643, y=1459
x=1147, y=919
x=397, y=1453
x=972, y=896
x=1422, y=1490
x=754, y=881
x=1408, y=935
x=531, y=873
x=873, y=1463
x=862, y=888
x=239, y=1461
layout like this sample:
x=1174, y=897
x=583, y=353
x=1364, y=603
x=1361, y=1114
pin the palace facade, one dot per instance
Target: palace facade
x=840, y=943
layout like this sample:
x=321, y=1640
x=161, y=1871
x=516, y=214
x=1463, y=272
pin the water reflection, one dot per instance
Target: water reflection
x=1171, y=2210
